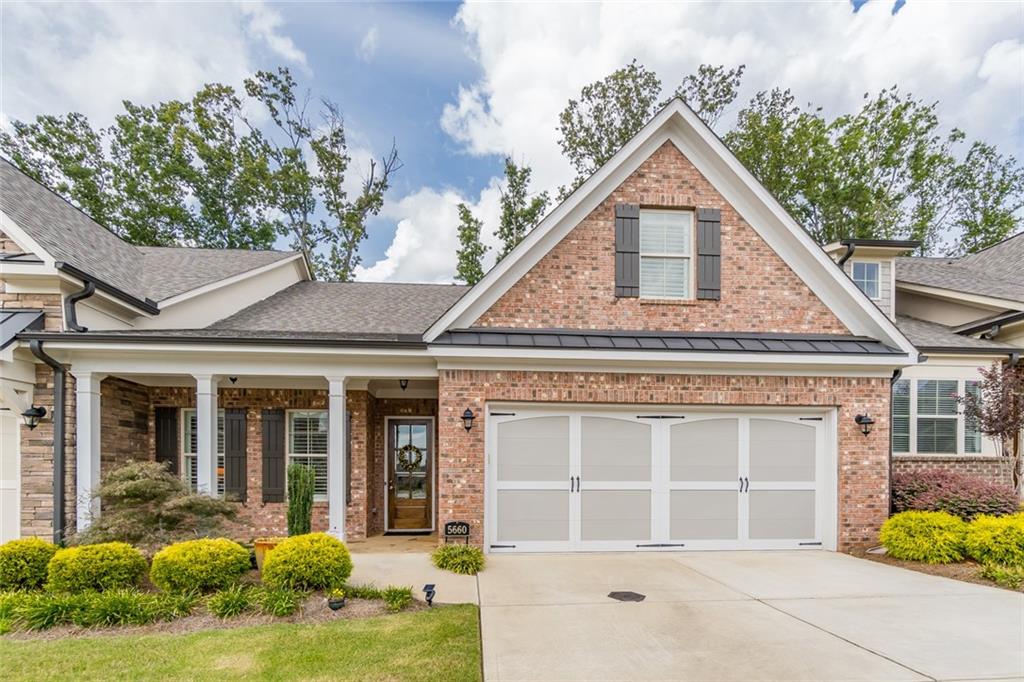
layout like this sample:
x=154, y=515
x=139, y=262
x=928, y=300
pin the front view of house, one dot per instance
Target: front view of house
x=668, y=361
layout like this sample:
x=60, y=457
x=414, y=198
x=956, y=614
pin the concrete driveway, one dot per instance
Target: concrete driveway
x=741, y=616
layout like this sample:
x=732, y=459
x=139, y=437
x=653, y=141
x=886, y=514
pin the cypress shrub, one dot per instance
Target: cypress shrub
x=301, y=479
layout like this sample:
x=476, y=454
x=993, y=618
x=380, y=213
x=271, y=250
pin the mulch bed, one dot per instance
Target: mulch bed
x=967, y=571
x=313, y=610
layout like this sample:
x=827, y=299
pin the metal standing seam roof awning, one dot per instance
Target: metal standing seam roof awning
x=13, y=321
x=692, y=341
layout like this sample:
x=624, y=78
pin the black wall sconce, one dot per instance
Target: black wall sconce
x=467, y=418
x=865, y=422
x=33, y=415
x=403, y=383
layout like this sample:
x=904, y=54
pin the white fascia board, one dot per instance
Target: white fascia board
x=22, y=238
x=227, y=281
x=961, y=296
x=199, y=347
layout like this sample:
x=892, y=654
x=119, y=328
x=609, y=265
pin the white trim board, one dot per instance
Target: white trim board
x=678, y=124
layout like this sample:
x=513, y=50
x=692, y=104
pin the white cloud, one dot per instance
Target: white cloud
x=265, y=24
x=368, y=45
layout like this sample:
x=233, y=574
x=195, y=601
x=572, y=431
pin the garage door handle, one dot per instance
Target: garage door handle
x=572, y=484
x=577, y=484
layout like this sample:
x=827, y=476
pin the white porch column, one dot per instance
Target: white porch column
x=206, y=433
x=336, y=437
x=87, y=447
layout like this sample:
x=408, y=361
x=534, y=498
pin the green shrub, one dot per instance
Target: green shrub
x=230, y=602
x=169, y=606
x=932, y=537
x=277, y=602
x=308, y=562
x=363, y=592
x=301, y=479
x=106, y=566
x=199, y=565
x=41, y=611
x=10, y=601
x=117, y=607
x=23, y=563
x=396, y=598
x=464, y=559
x=1010, y=577
x=996, y=540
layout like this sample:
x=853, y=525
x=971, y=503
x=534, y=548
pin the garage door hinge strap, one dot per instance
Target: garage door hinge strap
x=659, y=416
x=810, y=419
x=664, y=544
x=503, y=546
x=809, y=544
x=503, y=414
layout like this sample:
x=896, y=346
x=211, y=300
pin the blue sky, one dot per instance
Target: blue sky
x=460, y=86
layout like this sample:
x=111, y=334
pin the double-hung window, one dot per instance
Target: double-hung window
x=190, y=448
x=666, y=254
x=307, y=444
x=936, y=416
x=927, y=419
x=865, y=276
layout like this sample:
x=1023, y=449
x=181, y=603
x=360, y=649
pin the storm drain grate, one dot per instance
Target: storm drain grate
x=627, y=596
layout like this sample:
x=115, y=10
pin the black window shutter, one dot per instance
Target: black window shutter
x=167, y=437
x=348, y=458
x=627, y=250
x=234, y=455
x=709, y=253
x=273, y=455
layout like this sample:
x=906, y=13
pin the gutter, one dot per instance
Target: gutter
x=892, y=382
x=59, y=466
x=947, y=350
x=410, y=341
x=71, y=313
x=850, y=248
x=147, y=305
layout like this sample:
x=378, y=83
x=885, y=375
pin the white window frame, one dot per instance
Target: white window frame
x=691, y=257
x=288, y=454
x=878, y=277
x=961, y=430
x=186, y=415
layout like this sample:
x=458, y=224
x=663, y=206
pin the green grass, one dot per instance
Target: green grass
x=441, y=643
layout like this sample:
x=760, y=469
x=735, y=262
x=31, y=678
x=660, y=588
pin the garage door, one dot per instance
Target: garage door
x=9, y=521
x=625, y=480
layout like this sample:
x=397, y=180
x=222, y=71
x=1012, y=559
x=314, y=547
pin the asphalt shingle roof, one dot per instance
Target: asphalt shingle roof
x=934, y=335
x=998, y=271
x=346, y=308
x=71, y=236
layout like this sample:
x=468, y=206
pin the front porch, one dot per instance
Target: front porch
x=372, y=441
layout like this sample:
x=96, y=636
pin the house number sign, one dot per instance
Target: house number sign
x=456, y=529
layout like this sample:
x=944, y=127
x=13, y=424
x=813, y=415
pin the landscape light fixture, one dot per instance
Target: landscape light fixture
x=429, y=592
x=32, y=415
x=467, y=418
x=865, y=422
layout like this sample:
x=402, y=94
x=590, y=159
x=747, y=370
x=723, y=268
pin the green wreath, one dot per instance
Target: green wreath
x=407, y=463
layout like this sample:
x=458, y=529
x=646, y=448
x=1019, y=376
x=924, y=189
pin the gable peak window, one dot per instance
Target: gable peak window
x=666, y=254
x=866, y=277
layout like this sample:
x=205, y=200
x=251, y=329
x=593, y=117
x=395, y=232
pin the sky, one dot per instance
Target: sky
x=459, y=87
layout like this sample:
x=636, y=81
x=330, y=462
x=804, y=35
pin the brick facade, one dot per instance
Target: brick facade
x=573, y=285
x=863, y=461
x=989, y=467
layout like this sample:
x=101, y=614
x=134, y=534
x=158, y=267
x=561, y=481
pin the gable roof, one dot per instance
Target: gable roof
x=678, y=124
x=68, y=236
x=968, y=275
x=934, y=336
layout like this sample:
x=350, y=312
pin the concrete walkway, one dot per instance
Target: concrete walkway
x=412, y=568
x=741, y=616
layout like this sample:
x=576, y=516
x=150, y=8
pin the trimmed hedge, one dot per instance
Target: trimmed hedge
x=464, y=559
x=199, y=565
x=956, y=494
x=308, y=562
x=23, y=563
x=106, y=566
x=932, y=537
x=996, y=540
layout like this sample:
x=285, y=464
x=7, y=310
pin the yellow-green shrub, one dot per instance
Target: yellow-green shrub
x=23, y=563
x=308, y=562
x=199, y=565
x=105, y=566
x=932, y=537
x=464, y=559
x=998, y=540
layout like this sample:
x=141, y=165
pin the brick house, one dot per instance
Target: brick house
x=667, y=361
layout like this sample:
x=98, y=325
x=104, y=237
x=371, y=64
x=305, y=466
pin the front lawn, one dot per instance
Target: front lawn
x=430, y=644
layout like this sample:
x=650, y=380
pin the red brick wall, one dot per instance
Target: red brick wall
x=996, y=469
x=573, y=286
x=863, y=461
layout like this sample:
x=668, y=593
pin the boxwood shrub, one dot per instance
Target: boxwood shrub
x=996, y=540
x=308, y=562
x=199, y=565
x=464, y=559
x=951, y=492
x=105, y=566
x=932, y=537
x=23, y=563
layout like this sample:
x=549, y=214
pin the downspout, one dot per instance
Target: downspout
x=850, y=248
x=70, y=313
x=59, y=376
x=892, y=382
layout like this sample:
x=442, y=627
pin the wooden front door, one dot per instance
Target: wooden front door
x=410, y=457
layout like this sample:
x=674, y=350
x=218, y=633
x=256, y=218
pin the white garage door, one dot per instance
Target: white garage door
x=9, y=513
x=630, y=480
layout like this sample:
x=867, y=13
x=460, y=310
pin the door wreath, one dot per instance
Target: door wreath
x=410, y=458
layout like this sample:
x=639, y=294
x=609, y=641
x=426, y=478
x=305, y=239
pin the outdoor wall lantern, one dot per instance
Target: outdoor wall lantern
x=32, y=415
x=467, y=418
x=865, y=422
x=403, y=383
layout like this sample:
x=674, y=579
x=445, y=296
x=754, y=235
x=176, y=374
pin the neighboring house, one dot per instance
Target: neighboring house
x=962, y=314
x=667, y=361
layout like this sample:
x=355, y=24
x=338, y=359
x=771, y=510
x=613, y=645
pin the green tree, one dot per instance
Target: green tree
x=520, y=211
x=710, y=91
x=470, y=266
x=988, y=199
